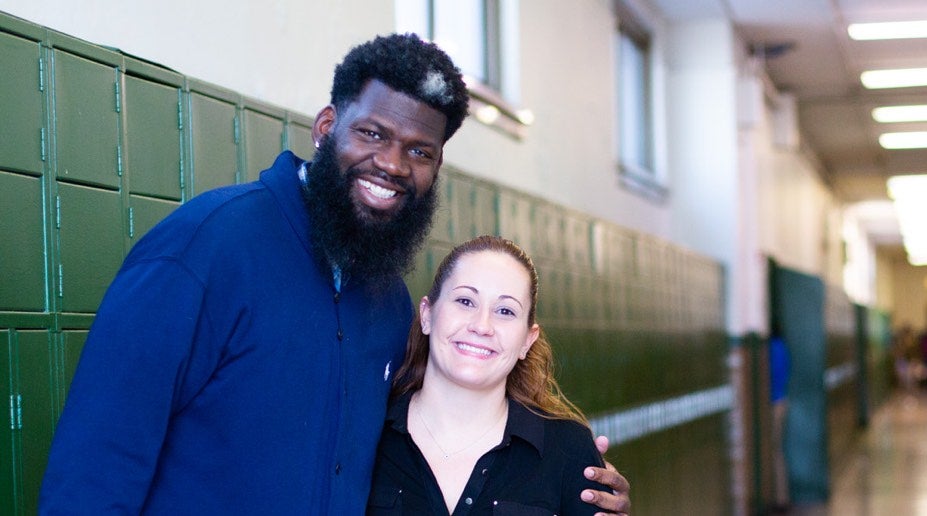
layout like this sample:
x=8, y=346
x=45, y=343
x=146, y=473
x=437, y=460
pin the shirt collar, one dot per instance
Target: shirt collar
x=522, y=423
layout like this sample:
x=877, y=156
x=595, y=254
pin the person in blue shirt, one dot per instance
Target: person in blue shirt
x=241, y=359
x=779, y=372
x=477, y=423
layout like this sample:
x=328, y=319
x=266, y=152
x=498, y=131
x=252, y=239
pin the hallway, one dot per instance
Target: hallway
x=887, y=474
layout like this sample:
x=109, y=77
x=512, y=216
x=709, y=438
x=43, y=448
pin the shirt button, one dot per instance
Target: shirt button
x=337, y=296
x=340, y=334
x=468, y=501
x=338, y=468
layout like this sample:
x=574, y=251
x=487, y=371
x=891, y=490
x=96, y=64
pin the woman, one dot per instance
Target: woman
x=477, y=423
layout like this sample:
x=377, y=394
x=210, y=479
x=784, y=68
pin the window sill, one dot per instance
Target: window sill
x=489, y=108
x=641, y=182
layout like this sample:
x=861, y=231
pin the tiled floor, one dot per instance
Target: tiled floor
x=887, y=473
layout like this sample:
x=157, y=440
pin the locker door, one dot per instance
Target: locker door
x=146, y=213
x=91, y=245
x=9, y=462
x=22, y=243
x=484, y=208
x=263, y=142
x=72, y=343
x=20, y=105
x=215, y=150
x=86, y=120
x=153, y=138
x=38, y=410
x=299, y=139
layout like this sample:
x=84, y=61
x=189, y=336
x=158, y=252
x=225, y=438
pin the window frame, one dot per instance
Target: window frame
x=489, y=102
x=638, y=169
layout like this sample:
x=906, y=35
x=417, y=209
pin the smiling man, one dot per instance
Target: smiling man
x=241, y=359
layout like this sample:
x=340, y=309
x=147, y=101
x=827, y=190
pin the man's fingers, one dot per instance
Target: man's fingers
x=608, y=476
x=612, y=503
x=616, y=502
x=601, y=443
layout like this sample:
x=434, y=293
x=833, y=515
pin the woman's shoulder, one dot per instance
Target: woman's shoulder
x=558, y=429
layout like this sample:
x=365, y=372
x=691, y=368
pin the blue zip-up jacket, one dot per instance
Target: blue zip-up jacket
x=223, y=375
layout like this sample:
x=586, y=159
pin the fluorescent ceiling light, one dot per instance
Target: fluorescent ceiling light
x=889, y=114
x=898, y=78
x=908, y=140
x=888, y=30
x=909, y=193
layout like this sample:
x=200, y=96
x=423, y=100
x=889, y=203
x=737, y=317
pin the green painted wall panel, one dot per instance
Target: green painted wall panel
x=153, y=138
x=147, y=212
x=20, y=100
x=86, y=120
x=263, y=142
x=213, y=142
x=22, y=243
x=92, y=244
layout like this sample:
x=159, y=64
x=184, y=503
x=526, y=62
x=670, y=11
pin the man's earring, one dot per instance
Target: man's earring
x=316, y=144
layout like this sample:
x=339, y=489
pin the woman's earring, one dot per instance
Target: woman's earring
x=316, y=144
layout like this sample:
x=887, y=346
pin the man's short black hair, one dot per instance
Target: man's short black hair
x=409, y=65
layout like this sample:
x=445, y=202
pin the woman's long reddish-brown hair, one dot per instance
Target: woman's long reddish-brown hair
x=532, y=381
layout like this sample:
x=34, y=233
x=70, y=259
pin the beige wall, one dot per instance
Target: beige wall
x=910, y=294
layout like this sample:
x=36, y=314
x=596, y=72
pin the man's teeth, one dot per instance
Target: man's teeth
x=376, y=190
x=473, y=349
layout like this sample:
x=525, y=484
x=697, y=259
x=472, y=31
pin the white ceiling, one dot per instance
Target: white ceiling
x=821, y=68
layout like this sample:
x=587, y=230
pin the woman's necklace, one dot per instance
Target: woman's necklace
x=446, y=454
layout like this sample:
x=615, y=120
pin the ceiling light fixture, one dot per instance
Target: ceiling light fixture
x=909, y=193
x=906, y=140
x=892, y=114
x=888, y=30
x=897, y=78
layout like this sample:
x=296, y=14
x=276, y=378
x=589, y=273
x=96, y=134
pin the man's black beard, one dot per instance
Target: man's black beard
x=369, y=247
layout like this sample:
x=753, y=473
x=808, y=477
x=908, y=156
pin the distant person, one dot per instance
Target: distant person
x=780, y=367
x=240, y=361
x=478, y=424
x=907, y=358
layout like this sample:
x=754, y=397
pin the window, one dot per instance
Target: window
x=481, y=38
x=635, y=146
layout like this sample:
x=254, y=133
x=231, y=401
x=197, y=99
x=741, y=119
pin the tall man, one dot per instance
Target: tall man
x=241, y=359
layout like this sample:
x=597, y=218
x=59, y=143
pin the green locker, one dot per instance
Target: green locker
x=153, y=138
x=214, y=138
x=34, y=376
x=22, y=253
x=21, y=101
x=484, y=205
x=547, y=235
x=87, y=122
x=442, y=226
x=263, y=141
x=69, y=347
x=462, y=209
x=146, y=212
x=299, y=137
x=91, y=245
x=515, y=219
x=9, y=461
